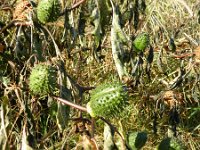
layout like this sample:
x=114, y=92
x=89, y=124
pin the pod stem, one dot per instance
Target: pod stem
x=70, y=103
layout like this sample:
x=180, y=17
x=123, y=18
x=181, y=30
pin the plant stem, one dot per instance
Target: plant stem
x=70, y=103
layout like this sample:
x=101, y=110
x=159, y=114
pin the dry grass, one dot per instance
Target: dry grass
x=27, y=120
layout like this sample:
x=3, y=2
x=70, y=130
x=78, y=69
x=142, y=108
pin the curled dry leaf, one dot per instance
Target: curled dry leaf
x=22, y=12
x=172, y=98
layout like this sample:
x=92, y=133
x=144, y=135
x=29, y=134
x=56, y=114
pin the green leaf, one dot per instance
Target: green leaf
x=170, y=144
x=136, y=140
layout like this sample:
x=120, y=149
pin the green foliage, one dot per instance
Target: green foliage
x=136, y=140
x=107, y=100
x=170, y=144
x=48, y=10
x=141, y=42
x=42, y=80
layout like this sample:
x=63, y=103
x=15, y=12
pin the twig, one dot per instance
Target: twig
x=77, y=4
x=58, y=53
x=191, y=39
x=70, y=103
x=93, y=127
x=9, y=25
x=73, y=7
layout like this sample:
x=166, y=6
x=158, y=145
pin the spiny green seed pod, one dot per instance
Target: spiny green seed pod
x=170, y=143
x=48, y=10
x=136, y=140
x=141, y=42
x=107, y=100
x=42, y=80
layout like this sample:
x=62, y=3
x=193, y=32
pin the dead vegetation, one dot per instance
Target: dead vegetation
x=163, y=81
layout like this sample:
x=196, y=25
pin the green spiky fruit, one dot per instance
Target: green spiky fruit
x=42, y=80
x=141, y=42
x=170, y=144
x=107, y=100
x=136, y=140
x=48, y=10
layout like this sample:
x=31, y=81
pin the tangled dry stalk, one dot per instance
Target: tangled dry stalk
x=163, y=82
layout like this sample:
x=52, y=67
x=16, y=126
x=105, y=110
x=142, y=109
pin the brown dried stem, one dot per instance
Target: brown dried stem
x=70, y=103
